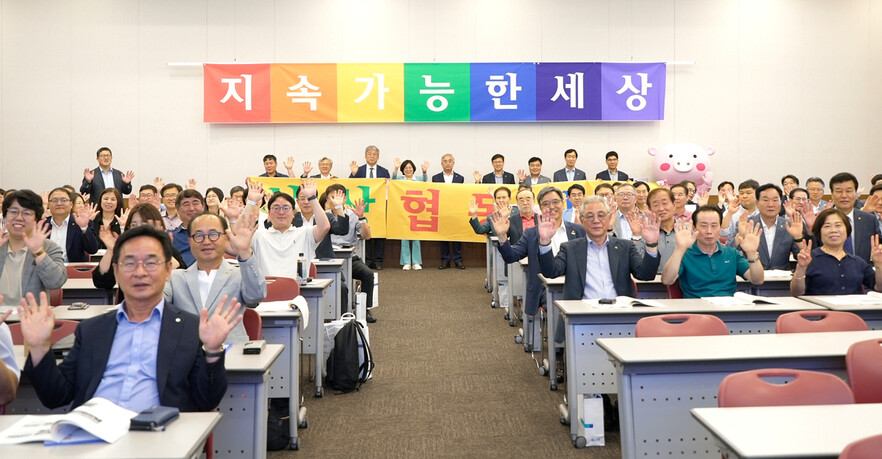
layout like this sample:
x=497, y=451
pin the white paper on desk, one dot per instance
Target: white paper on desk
x=298, y=303
x=871, y=298
x=3, y=310
x=777, y=274
x=625, y=302
x=301, y=304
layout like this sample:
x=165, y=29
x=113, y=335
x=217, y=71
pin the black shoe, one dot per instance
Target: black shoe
x=460, y=266
x=372, y=265
x=370, y=318
x=378, y=266
x=444, y=266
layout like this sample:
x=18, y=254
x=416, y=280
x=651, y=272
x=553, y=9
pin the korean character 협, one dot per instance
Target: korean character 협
x=416, y=202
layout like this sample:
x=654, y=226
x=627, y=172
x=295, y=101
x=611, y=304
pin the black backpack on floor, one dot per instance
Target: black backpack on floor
x=345, y=371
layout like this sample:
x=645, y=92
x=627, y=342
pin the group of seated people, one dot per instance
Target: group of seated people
x=171, y=254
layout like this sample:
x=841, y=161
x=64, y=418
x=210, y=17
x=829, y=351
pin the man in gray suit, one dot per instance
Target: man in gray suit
x=535, y=176
x=599, y=265
x=29, y=261
x=780, y=237
x=570, y=173
x=205, y=282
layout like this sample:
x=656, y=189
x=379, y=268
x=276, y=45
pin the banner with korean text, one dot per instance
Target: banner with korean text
x=418, y=92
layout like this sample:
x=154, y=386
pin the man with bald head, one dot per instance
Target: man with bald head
x=449, y=249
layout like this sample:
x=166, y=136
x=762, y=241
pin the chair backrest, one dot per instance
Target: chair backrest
x=674, y=290
x=281, y=289
x=313, y=270
x=253, y=324
x=80, y=271
x=864, y=364
x=785, y=387
x=55, y=297
x=634, y=286
x=62, y=329
x=681, y=325
x=866, y=448
x=818, y=321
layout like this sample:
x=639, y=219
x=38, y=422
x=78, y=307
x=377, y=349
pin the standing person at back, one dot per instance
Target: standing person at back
x=374, y=247
x=570, y=173
x=535, y=177
x=271, y=164
x=499, y=176
x=449, y=249
x=612, y=172
x=103, y=176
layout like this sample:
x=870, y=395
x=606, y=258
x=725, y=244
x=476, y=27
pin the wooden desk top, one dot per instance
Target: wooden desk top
x=63, y=312
x=684, y=306
x=791, y=431
x=827, y=301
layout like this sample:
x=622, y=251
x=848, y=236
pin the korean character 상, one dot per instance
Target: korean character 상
x=497, y=86
x=636, y=101
x=417, y=202
x=299, y=93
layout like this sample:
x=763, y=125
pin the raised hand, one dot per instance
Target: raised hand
x=732, y=200
x=134, y=200
x=683, y=233
x=353, y=166
x=191, y=184
x=425, y=167
x=871, y=203
x=255, y=192
x=307, y=168
x=88, y=175
x=477, y=176
x=651, y=224
x=521, y=175
x=877, y=251
x=358, y=208
x=289, y=163
x=213, y=330
x=35, y=240
x=473, y=208
x=808, y=214
x=337, y=197
x=85, y=215
x=230, y=209
x=37, y=323
x=701, y=198
x=107, y=236
x=751, y=239
x=128, y=177
x=397, y=163
x=158, y=183
x=805, y=255
x=500, y=223
x=795, y=227
x=308, y=188
x=240, y=236
x=4, y=236
x=123, y=217
x=635, y=221
x=546, y=228
x=45, y=196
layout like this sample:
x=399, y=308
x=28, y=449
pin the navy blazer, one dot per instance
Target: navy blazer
x=507, y=178
x=363, y=172
x=185, y=380
x=528, y=246
x=561, y=175
x=439, y=178
x=339, y=226
x=604, y=175
x=79, y=243
x=625, y=259
x=96, y=186
x=782, y=247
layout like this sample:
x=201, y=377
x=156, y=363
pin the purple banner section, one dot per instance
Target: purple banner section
x=568, y=91
x=503, y=92
x=632, y=92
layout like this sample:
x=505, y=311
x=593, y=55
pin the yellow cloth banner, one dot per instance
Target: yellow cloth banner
x=419, y=210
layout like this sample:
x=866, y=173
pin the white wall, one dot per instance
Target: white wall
x=778, y=86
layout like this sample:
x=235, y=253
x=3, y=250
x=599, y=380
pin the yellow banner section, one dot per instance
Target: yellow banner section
x=372, y=191
x=418, y=210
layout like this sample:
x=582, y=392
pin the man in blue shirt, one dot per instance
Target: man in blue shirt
x=148, y=353
x=190, y=204
x=703, y=265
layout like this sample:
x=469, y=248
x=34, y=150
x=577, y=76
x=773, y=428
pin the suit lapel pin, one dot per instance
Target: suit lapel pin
x=177, y=319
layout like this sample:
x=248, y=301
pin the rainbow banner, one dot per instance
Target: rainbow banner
x=396, y=93
x=422, y=211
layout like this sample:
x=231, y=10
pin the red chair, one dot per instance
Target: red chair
x=681, y=325
x=281, y=289
x=55, y=297
x=674, y=290
x=253, y=324
x=313, y=271
x=802, y=387
x=867, y=448
x=634, y=285
x=818, y=321
x=62, y=329
x=80, y=271
x=864, y=364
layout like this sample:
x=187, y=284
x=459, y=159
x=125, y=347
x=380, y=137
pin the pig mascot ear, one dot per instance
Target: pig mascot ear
x=653, y=151
x=709, y=150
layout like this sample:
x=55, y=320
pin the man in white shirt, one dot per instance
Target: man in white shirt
x=278, y=246
x=103, y=176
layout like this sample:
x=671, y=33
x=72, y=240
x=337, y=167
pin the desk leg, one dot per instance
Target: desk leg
x=626, y=416
x=241, y=431
x=318, y=328
x=572, y=391
x=488, y=254
x=494, y=281
x=550, y=323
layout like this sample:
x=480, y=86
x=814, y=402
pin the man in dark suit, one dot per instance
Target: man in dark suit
x=551, y=201
x=535, y=176
x=612, y=172
x=375, y=246
x=612, y=260
x=325, y=165
x=103, y=176
x=780, y=238
x=73, y=233
x=843, y=191
x=498, y=176
x=570, y=173
x=501, y=201
x=181, y=356
x=448, y=175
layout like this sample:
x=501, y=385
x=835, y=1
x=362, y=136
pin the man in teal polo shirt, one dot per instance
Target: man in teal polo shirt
x=704, y=266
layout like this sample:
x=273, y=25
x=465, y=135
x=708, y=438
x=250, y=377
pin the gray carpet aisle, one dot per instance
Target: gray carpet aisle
x=450, y=382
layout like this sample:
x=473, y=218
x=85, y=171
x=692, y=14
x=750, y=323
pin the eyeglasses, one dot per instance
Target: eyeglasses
x=278, y=208
x=212, y=236
x=150, y=265
x=26, y=213
x=553, y=202
x=627, y=195
x=600, y=216
x=59, y=200
x=170, y=196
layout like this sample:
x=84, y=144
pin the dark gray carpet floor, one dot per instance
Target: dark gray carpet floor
x=449, y=382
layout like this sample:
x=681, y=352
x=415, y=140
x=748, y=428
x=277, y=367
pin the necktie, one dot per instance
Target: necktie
x=372, y=172
x=849, y=245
